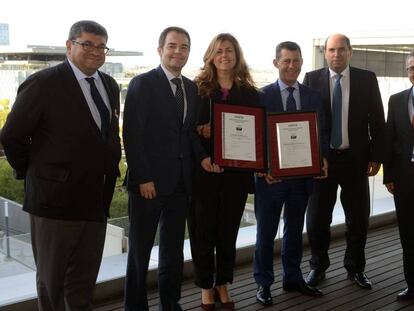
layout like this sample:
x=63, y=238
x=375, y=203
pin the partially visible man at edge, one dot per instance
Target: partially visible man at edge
x=62, y=136
x=399, y=171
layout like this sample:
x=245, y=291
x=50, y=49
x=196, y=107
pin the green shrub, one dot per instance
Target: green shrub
x=10, y=188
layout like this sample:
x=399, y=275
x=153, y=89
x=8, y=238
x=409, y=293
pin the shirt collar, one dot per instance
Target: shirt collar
x=79, y=74
x=344, y=73
x=283, y=86
x=169, y=75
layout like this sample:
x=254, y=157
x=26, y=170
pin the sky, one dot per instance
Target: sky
x=258, y=25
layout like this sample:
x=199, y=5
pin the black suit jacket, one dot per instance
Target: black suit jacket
x=399, y=140
x=366, y=122
x=158, y=146
x=51, y=136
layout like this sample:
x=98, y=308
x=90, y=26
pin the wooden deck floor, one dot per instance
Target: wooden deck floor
x=384, y=268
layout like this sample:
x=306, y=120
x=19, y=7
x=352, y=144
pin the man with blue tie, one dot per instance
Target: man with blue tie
x=272, y=194
x=355, y=121
x=161, y=146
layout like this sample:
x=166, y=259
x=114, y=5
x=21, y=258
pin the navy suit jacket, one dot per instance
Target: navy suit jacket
x=51, y=137
x=310, y=100
x=158, y=146
x=366, y=122
x=399, y=140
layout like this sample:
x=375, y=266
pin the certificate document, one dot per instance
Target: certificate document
x=238, y=136
x=294, y=144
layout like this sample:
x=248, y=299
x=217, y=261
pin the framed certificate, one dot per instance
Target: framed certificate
x=238, y=137
x=294, y=144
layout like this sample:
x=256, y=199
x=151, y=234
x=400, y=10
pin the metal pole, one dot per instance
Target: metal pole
x=6, y=213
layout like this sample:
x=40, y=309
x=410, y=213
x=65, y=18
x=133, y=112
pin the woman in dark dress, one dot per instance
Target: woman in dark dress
x=219, y=198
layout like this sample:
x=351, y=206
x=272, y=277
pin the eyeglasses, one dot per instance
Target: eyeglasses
x=89, y=47
x=410, y=70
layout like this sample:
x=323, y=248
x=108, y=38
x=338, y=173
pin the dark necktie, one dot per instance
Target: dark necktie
x=336, y=133
x=100, y=104
x=290, y=102
x=179, y=97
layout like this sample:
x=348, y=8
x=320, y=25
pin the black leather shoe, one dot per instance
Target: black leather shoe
x=406, y=294
x=263, y=295
x=302, y=287
x=314, y=277
x=360, y=279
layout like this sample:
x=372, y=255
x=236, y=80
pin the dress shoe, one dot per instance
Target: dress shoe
x=263, y=295
x=208, y=306
x=360, y=279
x=314, y=277
x=302, y=287
x=406, y=294
x=228, y=305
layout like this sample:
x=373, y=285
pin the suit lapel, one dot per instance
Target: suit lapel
x=326, y=88
x=190, y=103
x=278, y=104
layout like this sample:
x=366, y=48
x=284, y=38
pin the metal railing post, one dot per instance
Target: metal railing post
x=6, y=214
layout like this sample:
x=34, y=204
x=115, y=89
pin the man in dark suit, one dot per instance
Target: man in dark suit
x=66, y=143
x=286, y=94
x=355, y=118
x=399, y=171
x=160, y=146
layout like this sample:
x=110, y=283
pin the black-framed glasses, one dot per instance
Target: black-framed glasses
x=90, y=47
x=410, y=70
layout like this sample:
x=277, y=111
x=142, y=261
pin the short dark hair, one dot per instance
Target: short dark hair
x=410, y=55
x=347, y=41
x=87, y=26
x=287, y=45
x=166, y=31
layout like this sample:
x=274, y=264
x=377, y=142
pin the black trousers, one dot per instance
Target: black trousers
x=348, y=172
x=217, y=207
x=169, y=213
x=404, y=205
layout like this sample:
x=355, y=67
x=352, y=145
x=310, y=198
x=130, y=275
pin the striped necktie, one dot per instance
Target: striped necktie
x=100, y=105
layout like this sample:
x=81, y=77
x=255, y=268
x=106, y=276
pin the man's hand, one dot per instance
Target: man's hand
x=204, y=130
x=210, y=167
x=269, y=179
x=373, y=168
x=390, y=187
x=324, y=169
x=147, y=190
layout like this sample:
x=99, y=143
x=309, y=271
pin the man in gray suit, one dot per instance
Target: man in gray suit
x=62, y=136
x=399, y=171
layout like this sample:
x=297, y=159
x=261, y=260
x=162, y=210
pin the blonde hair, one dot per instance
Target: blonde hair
x=207, y=79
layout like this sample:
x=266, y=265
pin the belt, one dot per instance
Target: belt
x=338, y=151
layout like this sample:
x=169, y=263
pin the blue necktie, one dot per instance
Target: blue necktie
x=100, y=105
x=336, y=132
x=290, y=102
x=179, y=97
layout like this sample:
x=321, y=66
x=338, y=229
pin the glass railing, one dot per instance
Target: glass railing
x=16, y=257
